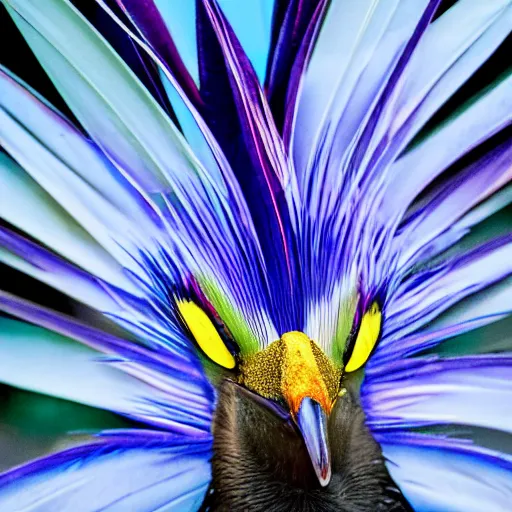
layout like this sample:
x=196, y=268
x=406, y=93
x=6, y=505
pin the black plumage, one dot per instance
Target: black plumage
x=260, y=462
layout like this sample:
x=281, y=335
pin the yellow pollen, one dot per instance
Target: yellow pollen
x=290, y=369
x=301, y=375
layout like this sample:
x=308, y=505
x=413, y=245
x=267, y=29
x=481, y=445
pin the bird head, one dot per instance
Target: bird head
x=285, y=421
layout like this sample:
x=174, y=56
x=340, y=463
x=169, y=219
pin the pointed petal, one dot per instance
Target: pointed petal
x=111, y=474
x=45, y=362
x=49, y=223
x=180, y=20
x=446, y=58
x=297, y=74
x=472, y=390
x=107, y=98
x=244, y=127
x=96, y=214
x=79, y=155
x=150, y=23
x=451, y=201
x=427, y=294
x=177, y=360
x=292, y=22
x=251, y=24
x=475, y=312
x=446, y=476
x=428, y=81
x=488, y=339
x=28, y=257
x=479, y=120
x=366, y=38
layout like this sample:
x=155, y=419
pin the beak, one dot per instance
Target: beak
x=312, y=423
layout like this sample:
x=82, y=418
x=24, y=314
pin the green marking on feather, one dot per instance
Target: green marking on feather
x=344, y=326
x=233, y=319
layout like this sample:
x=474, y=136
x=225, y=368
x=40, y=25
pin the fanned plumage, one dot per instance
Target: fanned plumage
x=301, y=169
x=144, y=472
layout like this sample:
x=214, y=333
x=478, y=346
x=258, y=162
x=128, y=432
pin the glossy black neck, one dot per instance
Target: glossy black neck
x=260, y=462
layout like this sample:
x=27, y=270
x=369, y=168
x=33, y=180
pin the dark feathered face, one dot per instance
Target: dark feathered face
x=288, y=431
x=261, y=461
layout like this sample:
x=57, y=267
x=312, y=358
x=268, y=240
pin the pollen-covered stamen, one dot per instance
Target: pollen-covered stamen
x=290, y=369
x=301, y=374
x=262, y=372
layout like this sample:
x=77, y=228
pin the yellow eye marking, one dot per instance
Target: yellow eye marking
x=367, y=336
x=205, y=334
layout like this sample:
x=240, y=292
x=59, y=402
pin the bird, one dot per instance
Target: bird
x=278, y=223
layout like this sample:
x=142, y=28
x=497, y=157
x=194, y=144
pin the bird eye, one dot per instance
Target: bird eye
x=367, y=336
x=205, y=333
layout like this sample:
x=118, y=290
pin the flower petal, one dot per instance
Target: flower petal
x=478, y=121
x=446, y=58
x=107, y=98
x=442, y=61
x=366, y=39
x=475, y=312
x=426, y=294
x=148, y=20
x=28, y=257
x=95, y=213
x=252, y=26
x=443, y=475
x=471, y=390
x=76, y=152
x=450, y=202
x=50, y=224
x=131, y=473
x=45, y=362
x=243, y=124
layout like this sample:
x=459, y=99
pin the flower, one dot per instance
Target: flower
x=268, y=216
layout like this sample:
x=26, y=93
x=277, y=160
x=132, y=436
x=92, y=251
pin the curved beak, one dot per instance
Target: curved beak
x=312, y=423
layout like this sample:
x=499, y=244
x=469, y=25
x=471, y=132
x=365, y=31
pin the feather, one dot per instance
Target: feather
x=39, y=360
x=435, y=391
x=134, y=473
x=431, y=469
